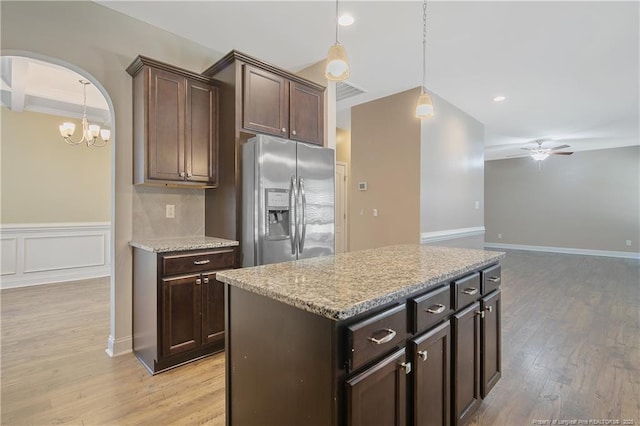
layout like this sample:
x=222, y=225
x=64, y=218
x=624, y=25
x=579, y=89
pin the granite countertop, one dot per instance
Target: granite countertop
x=181, y=244
x=347, y=284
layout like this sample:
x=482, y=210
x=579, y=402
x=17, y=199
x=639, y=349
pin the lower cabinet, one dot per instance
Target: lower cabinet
x=178, y=313
x=378, y=395
x=491, y=350
x=466, y=362
x=431, y=355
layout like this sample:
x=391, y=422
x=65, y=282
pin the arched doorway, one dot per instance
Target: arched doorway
x=80, y=228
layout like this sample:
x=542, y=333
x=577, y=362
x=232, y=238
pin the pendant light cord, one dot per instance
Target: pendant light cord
x=424, y=46
x=336, y=21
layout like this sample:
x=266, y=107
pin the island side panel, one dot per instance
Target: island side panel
x=280, y=363
x=145, y=307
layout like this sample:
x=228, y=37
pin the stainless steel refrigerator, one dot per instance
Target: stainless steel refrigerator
x=288, y=195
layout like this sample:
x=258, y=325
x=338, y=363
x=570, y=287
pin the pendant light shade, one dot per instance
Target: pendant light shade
x=337, y=68
x=424, y=109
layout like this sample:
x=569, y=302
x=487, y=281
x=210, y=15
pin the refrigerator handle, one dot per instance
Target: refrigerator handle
x=303, y=221
x=293, y=228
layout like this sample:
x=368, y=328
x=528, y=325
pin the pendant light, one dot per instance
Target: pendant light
x=424, y=108
x=337, y=68
x=90, y=132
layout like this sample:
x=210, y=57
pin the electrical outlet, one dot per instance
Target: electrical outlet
x=375, y=212
x=499, y=236
x=170, y=211
x=477, y=205
x=628, y=243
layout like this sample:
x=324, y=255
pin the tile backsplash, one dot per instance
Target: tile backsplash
x=149, y=212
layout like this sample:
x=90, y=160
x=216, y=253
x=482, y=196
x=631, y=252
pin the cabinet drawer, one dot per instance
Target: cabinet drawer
x=375, y=336
x=195, y=262
x=430, y=308
x=466, y=290
x=491, y=278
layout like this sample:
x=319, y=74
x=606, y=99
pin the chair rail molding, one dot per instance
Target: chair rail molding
x=43, y=253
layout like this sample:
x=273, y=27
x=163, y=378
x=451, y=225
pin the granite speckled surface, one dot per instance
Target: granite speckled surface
x=181, y=244
x=347, y=284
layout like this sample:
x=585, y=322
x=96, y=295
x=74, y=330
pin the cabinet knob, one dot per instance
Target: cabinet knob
x=481, y=313
x=181, y=174
x=205, y=280
x=189, y=174
x=489, y=308
x=422, y=355
x=406, y=366
x=293, y=132
x=284, y=129
x=198, y=281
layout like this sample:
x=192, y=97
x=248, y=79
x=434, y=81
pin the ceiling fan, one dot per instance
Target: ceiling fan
x=539, y=153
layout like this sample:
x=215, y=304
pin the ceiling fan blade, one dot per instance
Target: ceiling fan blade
x=558, y=147
x=560, y=153
x=530, y=149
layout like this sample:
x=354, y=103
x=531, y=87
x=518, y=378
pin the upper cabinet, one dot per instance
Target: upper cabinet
x=279, y=106
x=175, y=126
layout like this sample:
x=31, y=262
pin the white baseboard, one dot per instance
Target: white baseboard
x=565, y=250
x=450, y=234
x=117, y=347
x=33, y=254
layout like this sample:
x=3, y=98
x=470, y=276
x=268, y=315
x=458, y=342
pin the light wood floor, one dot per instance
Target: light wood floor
x=571, y=351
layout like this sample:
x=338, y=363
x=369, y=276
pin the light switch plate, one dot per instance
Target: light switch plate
x=170, y=211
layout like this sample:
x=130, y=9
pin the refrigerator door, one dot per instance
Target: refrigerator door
x=275, y=212
x=316, y=194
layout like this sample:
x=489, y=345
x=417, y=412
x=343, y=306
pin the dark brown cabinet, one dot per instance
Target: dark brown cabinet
x=178, y=313
x=378, y=395
x=491, y=346
x=466, y=362
x=175, y=126
x=275, y=105
x=431, y=396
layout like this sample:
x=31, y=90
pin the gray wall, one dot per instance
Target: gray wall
x=451, y=171
x=589, y=200
x=100, y=43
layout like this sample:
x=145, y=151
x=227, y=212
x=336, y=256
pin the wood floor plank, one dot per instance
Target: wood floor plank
x=571, y=350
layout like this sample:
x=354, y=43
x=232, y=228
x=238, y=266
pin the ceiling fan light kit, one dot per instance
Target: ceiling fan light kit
x=540, y=154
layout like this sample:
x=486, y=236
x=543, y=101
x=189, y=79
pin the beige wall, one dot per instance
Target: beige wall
x=101, y=43
x=45, y=180
x=590, y=200
x=452, y=170
x=385, y=152
x=343, y=146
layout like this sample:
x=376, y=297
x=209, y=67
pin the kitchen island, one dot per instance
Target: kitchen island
x=382, y=336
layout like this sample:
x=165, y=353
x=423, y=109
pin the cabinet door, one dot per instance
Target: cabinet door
x=212, y=309
x=432, y=368
x=181, y=323
x=466, y=363
x=166, y=126
x=265, y=103
x=491, y=342
x=306, y=114
x=378, y=395
x=201, y=134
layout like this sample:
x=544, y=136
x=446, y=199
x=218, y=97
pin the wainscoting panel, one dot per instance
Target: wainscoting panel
x=35, y=254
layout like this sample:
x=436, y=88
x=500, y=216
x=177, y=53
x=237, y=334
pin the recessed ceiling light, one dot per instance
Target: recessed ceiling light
x=499, y=98
x=345, y=20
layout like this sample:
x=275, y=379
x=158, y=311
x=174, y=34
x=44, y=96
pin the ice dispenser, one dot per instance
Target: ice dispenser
x=277, y=211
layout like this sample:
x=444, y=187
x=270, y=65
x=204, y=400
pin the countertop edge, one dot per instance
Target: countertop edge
x=165, y=245
x=343, y=314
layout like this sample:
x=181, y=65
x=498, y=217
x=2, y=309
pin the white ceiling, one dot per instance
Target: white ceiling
x=569, y=70
x=32, y=85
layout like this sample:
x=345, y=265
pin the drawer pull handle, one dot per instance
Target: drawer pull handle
x=198, y=281
x=436, y=309
x=406, y=366
x=423, y=355
x=490, y=308
x=386, y=339
x=494, y=279
x=470, y=291
x=205, y=280
x=201, y=262
x=481, y=313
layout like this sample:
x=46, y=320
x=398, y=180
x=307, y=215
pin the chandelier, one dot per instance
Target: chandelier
x=90, y=132
x=424, y=108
